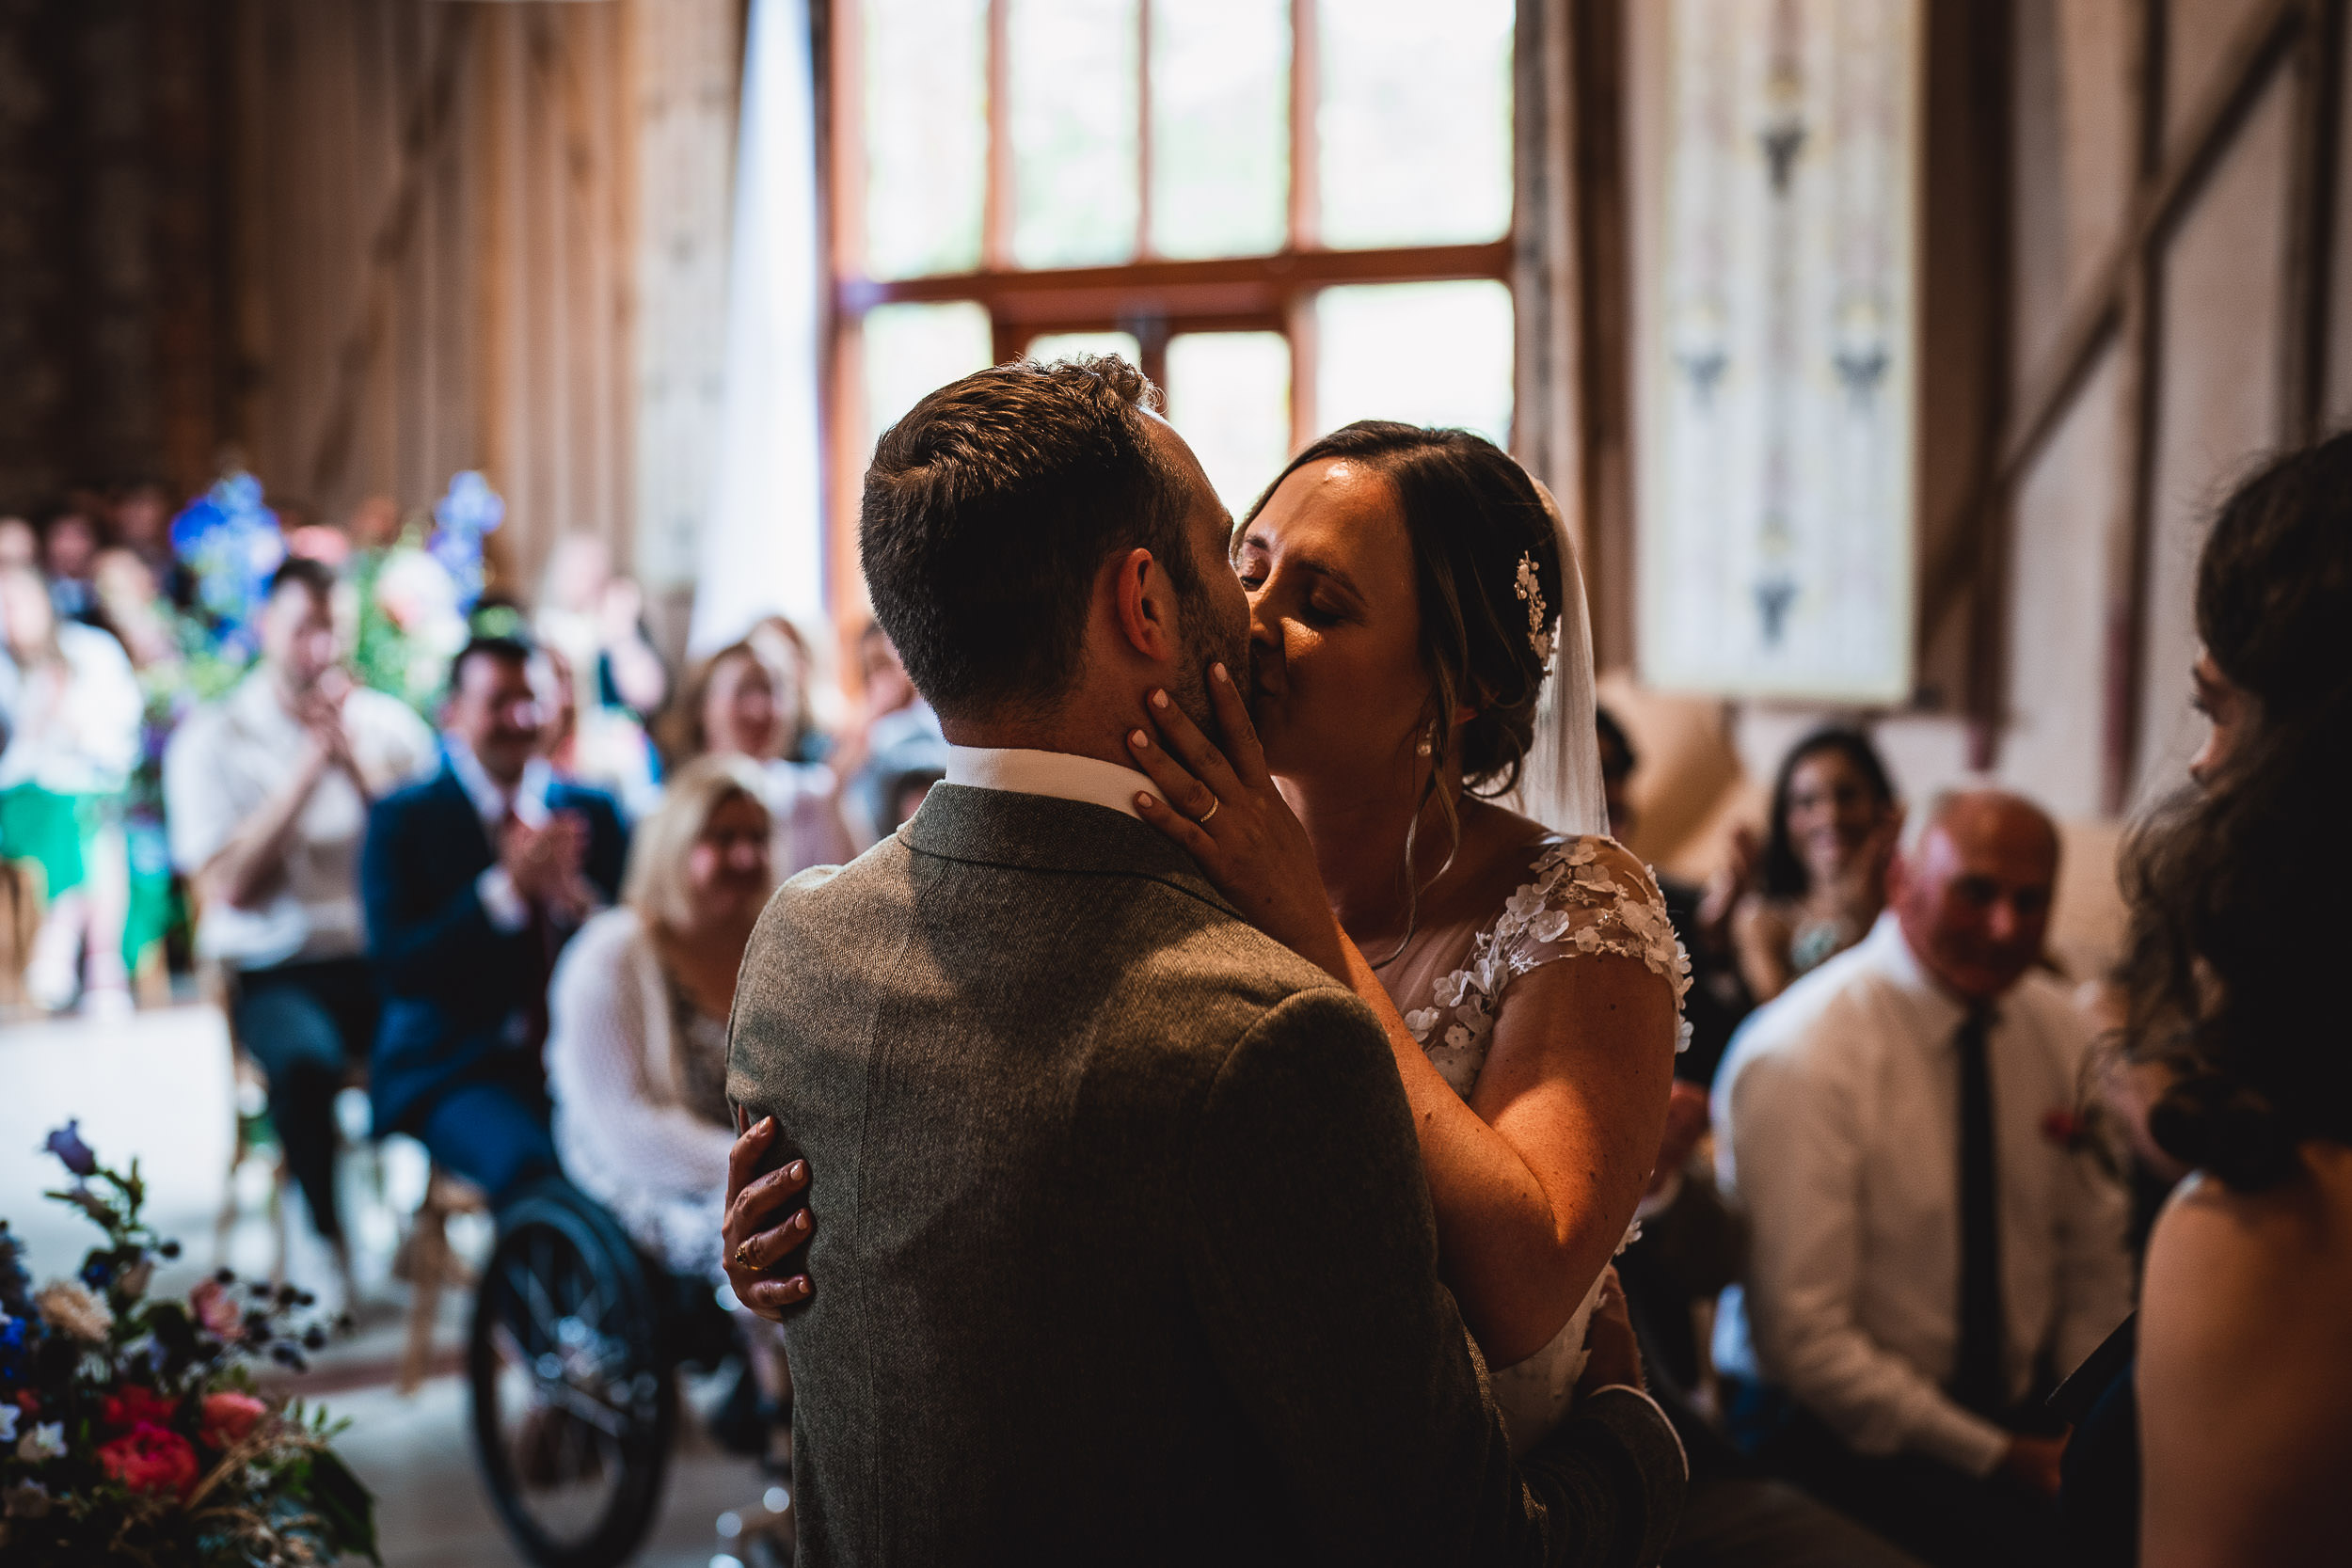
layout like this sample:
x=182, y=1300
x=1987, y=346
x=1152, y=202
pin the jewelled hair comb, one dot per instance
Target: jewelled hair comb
x=1529, y=589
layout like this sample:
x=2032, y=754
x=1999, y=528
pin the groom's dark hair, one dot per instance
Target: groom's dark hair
x=989, y=510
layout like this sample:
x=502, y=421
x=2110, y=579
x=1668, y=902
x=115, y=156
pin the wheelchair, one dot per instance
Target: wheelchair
x=571, y=1367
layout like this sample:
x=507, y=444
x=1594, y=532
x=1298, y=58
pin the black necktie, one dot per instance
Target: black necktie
x=1977, y=1379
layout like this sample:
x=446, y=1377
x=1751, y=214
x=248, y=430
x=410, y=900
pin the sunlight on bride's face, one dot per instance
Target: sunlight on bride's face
x=1334, y=625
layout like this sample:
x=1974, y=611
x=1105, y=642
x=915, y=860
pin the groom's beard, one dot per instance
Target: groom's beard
x=1206, y=643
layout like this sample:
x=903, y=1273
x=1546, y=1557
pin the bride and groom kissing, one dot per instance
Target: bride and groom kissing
x=1180, y=1151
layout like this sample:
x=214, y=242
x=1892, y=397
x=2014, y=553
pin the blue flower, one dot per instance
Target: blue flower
x=96, y=1272
x=67, y=1145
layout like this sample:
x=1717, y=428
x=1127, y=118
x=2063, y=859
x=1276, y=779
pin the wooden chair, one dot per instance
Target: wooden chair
x=431, y=1265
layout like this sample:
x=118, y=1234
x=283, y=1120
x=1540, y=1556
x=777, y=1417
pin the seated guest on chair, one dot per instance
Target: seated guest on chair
x=1930, y=1250
x=637, y=1039
x=267, y=792
x=473, y=882
x=1124, y=1244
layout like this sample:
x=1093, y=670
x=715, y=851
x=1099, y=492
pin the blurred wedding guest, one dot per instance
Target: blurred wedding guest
x=594, y=618
x=132, y=605
x=68, y=554
x=785, y=650
x=895, y=734
x=73, y=741
x=472, y=881
x=1928, y=1243
x=19, y=544
x=148, y=627
x=736, y=704
x=1718, y=998
x=1822, y=879
x=637, y=1034
x=605, y=748
x=2238, y=931
x=266, y=793
x=141, y=522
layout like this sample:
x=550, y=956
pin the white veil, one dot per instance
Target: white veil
x=1561, y=785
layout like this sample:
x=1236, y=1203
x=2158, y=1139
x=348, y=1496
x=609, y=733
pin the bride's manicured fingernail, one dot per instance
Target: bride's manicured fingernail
x=1218, y=671
x=1145, y=803
x=1159, y=699
x=1139, y=741
x=796, y=1170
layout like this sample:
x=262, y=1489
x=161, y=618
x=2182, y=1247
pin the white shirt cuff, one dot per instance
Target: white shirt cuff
x=1962, y=1439
x=500, y=901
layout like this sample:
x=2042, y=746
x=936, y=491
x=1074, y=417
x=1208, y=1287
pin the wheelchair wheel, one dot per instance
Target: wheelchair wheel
x=574, y=1406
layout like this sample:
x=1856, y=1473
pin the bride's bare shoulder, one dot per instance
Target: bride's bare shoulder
x=2246, y=1355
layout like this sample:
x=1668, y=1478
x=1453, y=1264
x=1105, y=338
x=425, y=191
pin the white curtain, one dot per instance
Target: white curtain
x=762, y=549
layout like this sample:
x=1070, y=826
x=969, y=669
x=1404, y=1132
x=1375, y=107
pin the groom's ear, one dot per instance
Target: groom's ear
x=1143, y=607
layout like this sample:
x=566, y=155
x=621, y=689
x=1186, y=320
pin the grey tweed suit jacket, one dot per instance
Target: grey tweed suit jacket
x=1123, y=1250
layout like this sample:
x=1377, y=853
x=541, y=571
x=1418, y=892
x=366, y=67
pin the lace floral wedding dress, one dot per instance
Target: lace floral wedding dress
x=1583, y=898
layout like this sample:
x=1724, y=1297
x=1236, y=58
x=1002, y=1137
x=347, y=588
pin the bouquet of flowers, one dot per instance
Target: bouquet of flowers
x=130, y=1428
x=414, y=597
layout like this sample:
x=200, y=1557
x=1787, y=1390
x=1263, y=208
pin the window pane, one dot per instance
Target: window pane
x=1220, y=127
x=1072, y=89
x=914, y=349
x=1434, y=354
x=926, y=135
x=1415, y=123
x=1229, y=395
x=1073, y=345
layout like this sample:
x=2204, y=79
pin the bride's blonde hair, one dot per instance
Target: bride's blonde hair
x=655, y=885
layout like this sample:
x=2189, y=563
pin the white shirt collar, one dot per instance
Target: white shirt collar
x=1063, y=775
x=1933, y=1006
x=490, y=802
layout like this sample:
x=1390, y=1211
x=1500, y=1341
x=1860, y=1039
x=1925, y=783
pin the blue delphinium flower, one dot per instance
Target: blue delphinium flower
x=67, y=1145
x=470, y=510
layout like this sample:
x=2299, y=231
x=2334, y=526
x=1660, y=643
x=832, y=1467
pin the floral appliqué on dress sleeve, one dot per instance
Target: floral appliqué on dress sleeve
x=1575, y=902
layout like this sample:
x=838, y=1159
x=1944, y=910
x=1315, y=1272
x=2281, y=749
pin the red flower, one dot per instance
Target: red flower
x=30, y=1402
x=151, y=1459
x=132, y=1405
x=229, y=1417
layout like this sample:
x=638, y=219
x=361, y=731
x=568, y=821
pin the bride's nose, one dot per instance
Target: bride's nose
x=1265, y=646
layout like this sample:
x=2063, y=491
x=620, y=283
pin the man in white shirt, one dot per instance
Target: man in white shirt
x=267, y=794
x=1931, y=1248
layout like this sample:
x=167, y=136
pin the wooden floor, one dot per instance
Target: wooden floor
x=160, y=1086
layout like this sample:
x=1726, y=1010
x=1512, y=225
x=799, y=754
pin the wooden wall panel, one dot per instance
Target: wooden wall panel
x=2197, y=36
x=2217, y=410
x=2057, y=582
x=436, y=252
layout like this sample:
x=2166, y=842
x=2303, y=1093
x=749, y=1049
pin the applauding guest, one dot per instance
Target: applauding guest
x=472, y=882
x=739, y=704
x=267, y=794
x=637, y=1039
x=1823, y=872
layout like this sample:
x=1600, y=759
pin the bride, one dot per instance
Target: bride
x=1412, y=590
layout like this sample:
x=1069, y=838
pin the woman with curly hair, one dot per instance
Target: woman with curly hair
x=2239, y=914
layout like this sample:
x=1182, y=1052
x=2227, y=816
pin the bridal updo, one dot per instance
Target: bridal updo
x=2241, y=889
x=1472, y=515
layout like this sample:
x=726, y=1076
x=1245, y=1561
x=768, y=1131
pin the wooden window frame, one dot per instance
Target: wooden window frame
x=1152, y=296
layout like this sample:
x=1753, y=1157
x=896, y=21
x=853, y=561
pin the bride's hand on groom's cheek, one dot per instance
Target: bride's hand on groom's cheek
x=757, y=1233
x=1225, y=813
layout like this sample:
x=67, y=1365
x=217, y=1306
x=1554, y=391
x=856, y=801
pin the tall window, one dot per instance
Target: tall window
x=1291, y=213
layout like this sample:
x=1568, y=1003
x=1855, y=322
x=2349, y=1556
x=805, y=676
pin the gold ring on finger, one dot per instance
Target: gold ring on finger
x=743, y=1256
x=1203, y=818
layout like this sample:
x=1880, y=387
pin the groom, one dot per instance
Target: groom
x=1123, y=1247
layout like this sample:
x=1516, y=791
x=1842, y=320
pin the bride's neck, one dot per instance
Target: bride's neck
x=1359, y=836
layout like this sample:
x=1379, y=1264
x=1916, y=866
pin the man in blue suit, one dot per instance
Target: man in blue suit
x=472, y=882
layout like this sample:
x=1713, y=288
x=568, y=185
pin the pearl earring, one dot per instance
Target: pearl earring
x=1425, y=748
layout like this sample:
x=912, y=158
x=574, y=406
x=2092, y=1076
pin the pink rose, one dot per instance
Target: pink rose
x=150, y=1458
x=229, y=1419
x=216, y=1311
x=133, y=1406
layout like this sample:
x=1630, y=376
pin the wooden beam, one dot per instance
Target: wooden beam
x=1992, y=42
x=2087, y=327
x=1258, y=276
x=1143, y=131
x=1305, y=203
x=997, y=211
x=2311, y=219
x=2140, y=377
